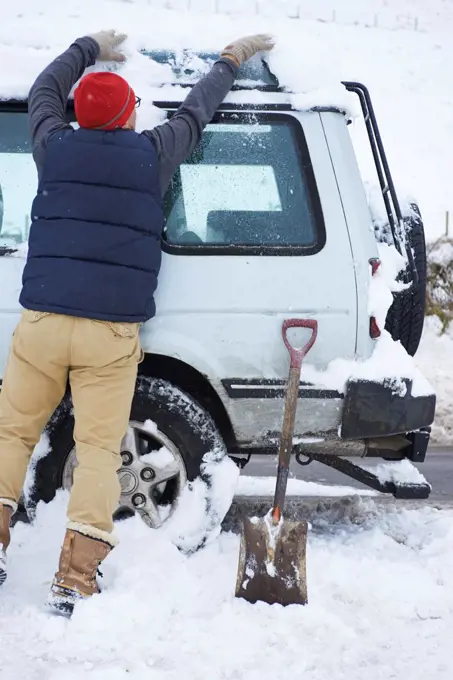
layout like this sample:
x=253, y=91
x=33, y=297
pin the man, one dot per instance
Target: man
x=89, y=281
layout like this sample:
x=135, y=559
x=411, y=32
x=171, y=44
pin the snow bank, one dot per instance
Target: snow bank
x=380, y=605
x=265, y=486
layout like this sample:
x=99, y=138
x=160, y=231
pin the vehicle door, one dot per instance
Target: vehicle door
x=255, y=234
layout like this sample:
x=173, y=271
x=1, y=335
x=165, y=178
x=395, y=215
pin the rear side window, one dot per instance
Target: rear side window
x=247, y=188
x=18, y=178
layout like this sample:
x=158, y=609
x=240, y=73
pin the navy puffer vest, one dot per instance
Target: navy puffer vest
x=95, y=238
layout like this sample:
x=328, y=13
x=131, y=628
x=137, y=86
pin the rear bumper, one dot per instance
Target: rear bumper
x=363, y=420
x=373, y=410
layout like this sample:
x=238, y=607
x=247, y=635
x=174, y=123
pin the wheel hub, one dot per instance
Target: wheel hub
x=152, y=473
x=128, y=481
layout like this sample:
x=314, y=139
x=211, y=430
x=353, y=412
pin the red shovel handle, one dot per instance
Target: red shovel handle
x=297, y=354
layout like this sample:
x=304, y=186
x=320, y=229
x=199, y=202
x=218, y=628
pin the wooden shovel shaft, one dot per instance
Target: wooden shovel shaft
x=272, y=563
x=286, y=443
x=292, y=394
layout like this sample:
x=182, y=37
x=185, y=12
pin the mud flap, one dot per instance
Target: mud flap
x=272, y=564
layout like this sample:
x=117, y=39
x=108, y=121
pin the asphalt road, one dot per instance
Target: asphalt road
x=437, y=469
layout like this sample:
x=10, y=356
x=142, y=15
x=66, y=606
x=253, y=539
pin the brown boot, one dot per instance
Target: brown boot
x=5, y=537
x=81, y=554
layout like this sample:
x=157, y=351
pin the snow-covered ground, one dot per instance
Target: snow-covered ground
x=398, y=472
x=380, y=606
x=265, y=486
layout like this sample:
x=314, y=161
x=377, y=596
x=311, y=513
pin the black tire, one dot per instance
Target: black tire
x=175, y=413
x=406, y=316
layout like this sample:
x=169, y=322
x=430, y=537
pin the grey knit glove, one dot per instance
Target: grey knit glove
x=244, y=48
x=108, y=41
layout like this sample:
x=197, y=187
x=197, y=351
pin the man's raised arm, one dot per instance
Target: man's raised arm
x=176, y=139
x=49, y=94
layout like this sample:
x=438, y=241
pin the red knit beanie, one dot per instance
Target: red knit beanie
x=103, y=101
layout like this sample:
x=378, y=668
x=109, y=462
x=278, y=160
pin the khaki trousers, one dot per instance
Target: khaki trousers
x=100, y=360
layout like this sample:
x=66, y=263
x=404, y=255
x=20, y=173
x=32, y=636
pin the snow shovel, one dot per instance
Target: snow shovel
x=272, y=553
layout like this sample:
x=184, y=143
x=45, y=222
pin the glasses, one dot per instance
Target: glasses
x=138, y=101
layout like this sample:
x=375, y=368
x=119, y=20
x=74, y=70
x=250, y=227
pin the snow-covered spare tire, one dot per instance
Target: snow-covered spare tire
x=172, y=449
x=406, y=316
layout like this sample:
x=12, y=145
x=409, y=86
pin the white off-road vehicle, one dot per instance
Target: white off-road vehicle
x=267, y=220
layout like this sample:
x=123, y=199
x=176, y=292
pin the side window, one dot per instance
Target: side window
x=18, y=178
x=248, y=187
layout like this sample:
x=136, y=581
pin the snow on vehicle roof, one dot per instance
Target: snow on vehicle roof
x=187, y=65
x=163, y=48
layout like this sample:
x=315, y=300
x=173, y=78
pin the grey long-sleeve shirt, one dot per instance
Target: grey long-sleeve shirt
x=174, y=140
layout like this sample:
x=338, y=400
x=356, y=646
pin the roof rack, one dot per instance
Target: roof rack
x=391, y=202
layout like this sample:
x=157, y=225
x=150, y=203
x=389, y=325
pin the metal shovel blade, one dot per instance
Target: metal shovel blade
x=272, y=568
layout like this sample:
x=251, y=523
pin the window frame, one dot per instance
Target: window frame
x=231, y=113
x=235, y=116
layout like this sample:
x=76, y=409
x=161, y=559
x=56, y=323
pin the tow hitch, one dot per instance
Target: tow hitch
x=402, y=490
